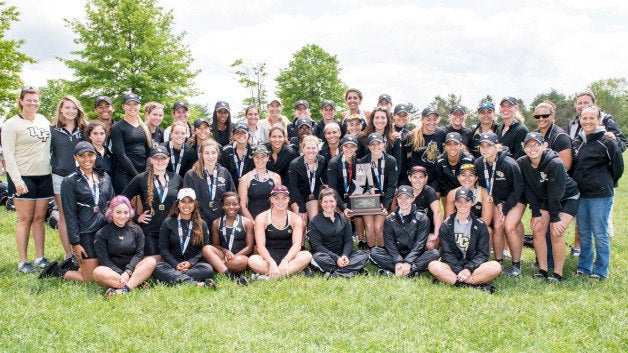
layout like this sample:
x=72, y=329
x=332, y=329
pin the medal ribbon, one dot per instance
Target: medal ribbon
x=347, y=168
x=176, y=167
x=489, y=180
x=223, y=226
x=94, y=189
x=184, y=241
x=239, y=163
x=162, y=191
x=311, y=176
x=211, y=183
x=379, y=173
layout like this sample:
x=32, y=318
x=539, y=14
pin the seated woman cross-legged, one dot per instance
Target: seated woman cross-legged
x=464, y=244
x=120, y=249
x=279, y=238
x=331, y=239
x=181, y=241
x=232, y=239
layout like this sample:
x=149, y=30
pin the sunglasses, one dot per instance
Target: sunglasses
x=541, y=116
x=467, y=167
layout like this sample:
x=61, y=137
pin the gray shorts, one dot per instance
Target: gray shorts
x=56, y=183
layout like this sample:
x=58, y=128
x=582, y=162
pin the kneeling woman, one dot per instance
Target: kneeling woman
x=181, y=241
x=120, y=248
x=279, y=238
x=553, y=197
x=232, y=236
x=85, y=195
x=331, y=240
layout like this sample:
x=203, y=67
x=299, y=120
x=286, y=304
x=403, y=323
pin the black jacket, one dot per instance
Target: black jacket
x=447, y=174
x=477, y=250
x=62, y=144
x=282, y=163
x=405, y=241
x=335, y=179
x=598, y=165
x=78, y=205
x=574, y=129
x=298, y=180
x=232, y=162
x=474, y=141
x=513, y=137
x=466, y=134
x=390, y=178
x=170, y=246
x=224, y=184
x=188, y=159
x=556, y=138
x=508, y=185
x=120, y=249
x=548, y=182
x=332, y=238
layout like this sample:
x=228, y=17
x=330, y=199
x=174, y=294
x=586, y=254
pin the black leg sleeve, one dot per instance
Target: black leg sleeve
x=383, y=260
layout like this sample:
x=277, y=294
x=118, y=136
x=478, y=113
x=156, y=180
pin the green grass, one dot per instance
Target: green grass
x=313, y=315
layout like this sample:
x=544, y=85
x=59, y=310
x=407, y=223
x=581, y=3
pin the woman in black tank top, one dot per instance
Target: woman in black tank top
x=279, y=238
x=255, y=186
x=481, y=207
x=232, y=240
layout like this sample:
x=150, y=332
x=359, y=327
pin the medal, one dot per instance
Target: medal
x=162, y=207
x=95, y=190
x=96, y=209
x=490, y=199
x=346, y=196
x=161, y=190
x=211, y=204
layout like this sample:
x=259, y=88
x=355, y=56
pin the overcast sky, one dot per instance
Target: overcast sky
x=412, y=50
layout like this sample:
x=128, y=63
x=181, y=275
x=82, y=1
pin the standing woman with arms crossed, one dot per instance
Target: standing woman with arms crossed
x=256, y=185
x=26, y=149
x=210, y=181
x=66, y=131
x=279, y=238
x=130, y=143
x=157, y=189
x=85, y=195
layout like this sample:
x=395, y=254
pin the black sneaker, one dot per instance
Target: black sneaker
x=489, y=288
x=209, y=283
x=386, y=273
x=555, y=278
x=52, y=270
x=242, y=281
x=70, y=264
x=540, y=275
x=307, y=272
x=363, y=272
x=230, y=275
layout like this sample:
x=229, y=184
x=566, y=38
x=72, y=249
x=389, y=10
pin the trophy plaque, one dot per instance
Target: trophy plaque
x=364, y=201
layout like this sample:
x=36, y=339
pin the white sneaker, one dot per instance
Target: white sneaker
x=258, y=277
x=42, y=262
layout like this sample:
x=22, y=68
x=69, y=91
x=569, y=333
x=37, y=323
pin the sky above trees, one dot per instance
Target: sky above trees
x=410, y=50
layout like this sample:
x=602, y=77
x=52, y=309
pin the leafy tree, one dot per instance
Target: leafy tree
x=128, y=46
x=443, y=105
x=564, y=108
x=11, y=60
x=251, y=76
x=612, y=96
x=312, y=74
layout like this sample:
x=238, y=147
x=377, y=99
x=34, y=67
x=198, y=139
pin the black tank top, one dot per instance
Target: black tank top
x=239, y=236
x=278, y=240
x=259, y=192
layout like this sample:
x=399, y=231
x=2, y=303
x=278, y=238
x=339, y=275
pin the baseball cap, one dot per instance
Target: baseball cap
x=260, y=149
x=199, y=121
x=402, y=108
x=534, y=136
x=376, y=136
x=349, y=139
x=279, y=190
x=303, y=121
x=82, y=147
x=240, y=126
x=131, y=97
x=429, y=110
x=385, y=97
x=302, y=102
x=453, y=136
x=101, y=99
x=186, y=192
x=486, y=105
x=274, y=99
x=179, y=104
x=465, y=193
x=489, y=137
x=511, y=100
x=327, y=102
x=159, y=151
x=405, y=189
x=417, y=169
x=457, y=107
x=222, y=105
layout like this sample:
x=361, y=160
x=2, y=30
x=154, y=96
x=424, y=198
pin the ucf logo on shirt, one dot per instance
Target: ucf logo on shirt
x=42, y=134
x=461, y=241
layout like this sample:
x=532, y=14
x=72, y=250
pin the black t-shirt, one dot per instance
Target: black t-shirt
x=423, y=202
x=128, y=144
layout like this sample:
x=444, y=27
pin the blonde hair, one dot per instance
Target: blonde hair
x=416, y=139
x=60, y=121
x=309, y=138
x=199, y=166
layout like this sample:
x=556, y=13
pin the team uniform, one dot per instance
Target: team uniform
x=62, y=144
x=427, y=155
x=423, y=202
x=474, y=142
x=237, y=165
x=466, y=134
x=513, y=137
x=385, y=175
x=232, y=238
x=282, y=163
x=503, y=180
x=304, y=184
x=120, y=248
x=259, y=191
x=341, y=177
x=181, y=160
x=464, y=246
x=209, y=190
x=130, y=150
x=278, y=240
x=574, y=129
x=447, y=174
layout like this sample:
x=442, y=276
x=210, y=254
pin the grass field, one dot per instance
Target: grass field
x=369, y=314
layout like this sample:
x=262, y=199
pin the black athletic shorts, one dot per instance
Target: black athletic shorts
x=569, y=206
x=87, y=242
x=39, y=187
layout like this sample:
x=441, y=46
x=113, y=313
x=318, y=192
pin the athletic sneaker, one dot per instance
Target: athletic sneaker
x=539, y=275
x=307, y=272
x=487, y=288
x=209, y=283
x=513, y=272
x=596, y=276
x=42, y=262
x=258, y=277
x=242, y=281
x=70, y=263
x=25, y=267
x=52, y=270
x=383, y=272
x=554, y=278
x=574, y=252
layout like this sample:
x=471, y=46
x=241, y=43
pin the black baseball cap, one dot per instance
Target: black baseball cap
x=453, y=136
x=534, y=136
x=131, y=97
x=327, y=102
x=402, y=108
x=199, y=121
x=102, y=99
x=302, y=102
x=240, y=126
x=489, y=137
x=159, y=151
x=429, y=110
x=179, y=104
x=303, y=121
x=82, y=147
x=385, y=97
x=376, y=136
x=457, y=107
x=465, y=193
x=511, y=100
x=405, y=189
x=222, y=105
x=349, y=139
